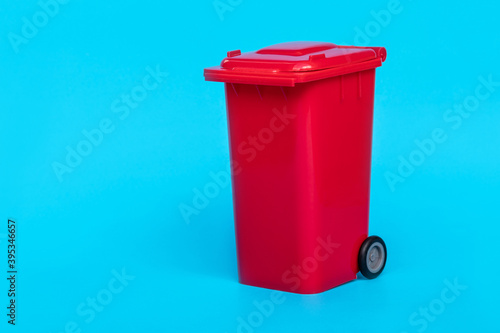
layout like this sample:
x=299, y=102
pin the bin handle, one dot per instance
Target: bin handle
x=380, y=52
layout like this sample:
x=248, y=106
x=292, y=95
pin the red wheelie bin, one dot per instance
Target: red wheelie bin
x=300, y=122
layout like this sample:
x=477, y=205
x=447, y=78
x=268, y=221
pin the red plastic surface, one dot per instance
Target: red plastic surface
x=288, y=63
x=301, y=181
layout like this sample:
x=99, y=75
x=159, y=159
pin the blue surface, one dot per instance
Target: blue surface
x=117, y=211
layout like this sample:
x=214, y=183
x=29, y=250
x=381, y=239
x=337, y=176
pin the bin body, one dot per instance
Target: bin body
x=301, y=155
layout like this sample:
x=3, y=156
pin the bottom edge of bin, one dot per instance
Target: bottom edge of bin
x=310, y=290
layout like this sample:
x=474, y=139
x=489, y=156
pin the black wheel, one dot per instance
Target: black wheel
x=372, y=257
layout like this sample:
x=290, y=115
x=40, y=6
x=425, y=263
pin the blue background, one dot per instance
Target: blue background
x=119, y=208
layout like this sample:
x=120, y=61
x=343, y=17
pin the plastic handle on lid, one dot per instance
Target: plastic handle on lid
x=313, y=57
x=234, y=53
x=380, y=51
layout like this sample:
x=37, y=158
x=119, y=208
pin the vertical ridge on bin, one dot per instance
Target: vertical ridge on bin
x=234, y=89
x=258, y=91
x=284, y=94
x=359, y=85
x=341, y=88
x=308, y=188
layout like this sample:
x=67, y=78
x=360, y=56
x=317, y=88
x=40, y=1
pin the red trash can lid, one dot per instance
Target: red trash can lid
x=288, y=63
